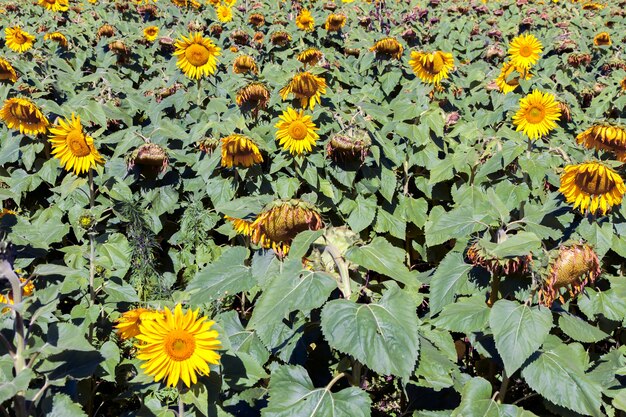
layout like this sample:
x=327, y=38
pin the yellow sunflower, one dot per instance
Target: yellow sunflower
x=305, y=21
x=602, y=39
x=6, y=299
x=23, y=114
x=591, y=186
x=524, y=51
x=335, y=22
x=196, y=55
x=128, y=324
x=18, y=39
x=306, y=87
x=240, y=150
x=55, y=5
x=178, y=346
x=310, y=56
x=224, y=14
x=509, y=77
x=57, y=37
x=537, y=115
x=7, y=72
x=431, y=67
x=388, y=47
x=73, y=147
x=241, y=226
x=296, y=132
x=605, y=137
x=150, y=33
x=244, y=64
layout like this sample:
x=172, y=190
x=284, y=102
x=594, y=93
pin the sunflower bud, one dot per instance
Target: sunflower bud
x=355, y=52
x=573, y=267
x=277, y=225
x=207, y=145
x=150, y=159
x=86, y=221
x=345, y=147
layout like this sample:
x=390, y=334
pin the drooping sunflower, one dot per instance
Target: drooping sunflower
x=537, y=115
x=306, y=87
x=28, y=288
x=605, y=137
x=240, y=150
x=296, y=132
x=253, y=97
x=593, y=6
x=431, y=67
x=310, y=56
x=150, y=33
x=335, y=22
x=196, y=55
x=388, y=47
x=509, y=77
x=256, y=19
x=55, y=5
x=280, y=38
x=57, y=37
x=128, y=324
x=305, y=21
x=18, y=40
x=244, y=64
x=591, y=186
x=178, y=346
x=524, y=51
x=7, y=72
x=72, y=147
x=241, y=226
x=602, y=39
x=279, y=222
x=21, y=113
x=623, y=84
x=572, y=266
x=224, y=14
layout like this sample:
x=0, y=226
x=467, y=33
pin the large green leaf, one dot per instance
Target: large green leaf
x=477, y=401
x=467, y=315
x=291, y=393
x=383, y=335
x=518, y=330
x=450, y=275
x=381, y=256
x=580, y=330
x=443, y=226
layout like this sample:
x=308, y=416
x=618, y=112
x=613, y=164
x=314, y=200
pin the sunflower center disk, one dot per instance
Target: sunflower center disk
x=435, y=66
x=197, y=55
x=594, y=184
x=179, y=345
x=525, y=51
x=20, y=38
x=535, y=114
x=297, y=130
x=76, y=142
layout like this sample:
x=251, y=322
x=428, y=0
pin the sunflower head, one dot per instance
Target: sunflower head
x=23, y=115
x=524, y=51
x=149, y=159
x=28, y=288
x=224, y=14
x=537, y=115
x=258, y=38
x=256, y=20
x=128, y=324
x=431, y=67
x=305, y=21
x=576, y=60
x=571, y=266
x=566, y=113
x=335, y=22
x=602, y=39
x=207, y=145
x=306, y=87
x=280, y=38
x=240, y=37
x=591, y=5
x=310, y=56
x=592, y=187
x=244, y=64
x=86, y=220
x=280, y=222
x=72, y=147
x=253, y=97
x=57, y=37
x=148, y=10
x=18, y=40
x=296, y=132
x=352, y=145
x=177, y=346
x=105, y=31
x=481, y=256
x=241, y=226
x=197, y=56
x=388, y=48
x=606, y=137
x=150, y=33
x=7, y=72
x=55, y=5
x=355, y=52
x=6, y=299
x=509, y=77
x=240, y=151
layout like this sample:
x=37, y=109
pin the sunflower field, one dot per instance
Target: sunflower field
x=321, y=208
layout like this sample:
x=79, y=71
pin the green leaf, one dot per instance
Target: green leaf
x=580, y=330
x=291, y=393
x=302, y=242
x=519, y=244
x=467, y=315
x=519, y=331
x=477, y=402
x=559, y=376
x=227, y=275
x=19, y=383
x=383, y=335
x=63, y=406
x=363, y=214
x=381, y=256
x=450, y=275
x=443, y=226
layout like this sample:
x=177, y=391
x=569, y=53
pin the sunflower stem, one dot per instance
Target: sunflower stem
x=503, y=387
x=198, y=101
x=181, y=403
x=92, y=252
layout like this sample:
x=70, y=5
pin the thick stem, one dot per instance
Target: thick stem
x=181, y=403
x=334, y=380
x=503, y=387
x=342, y=268
x=357, y=367
x=92, y=252
x=495, y=287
